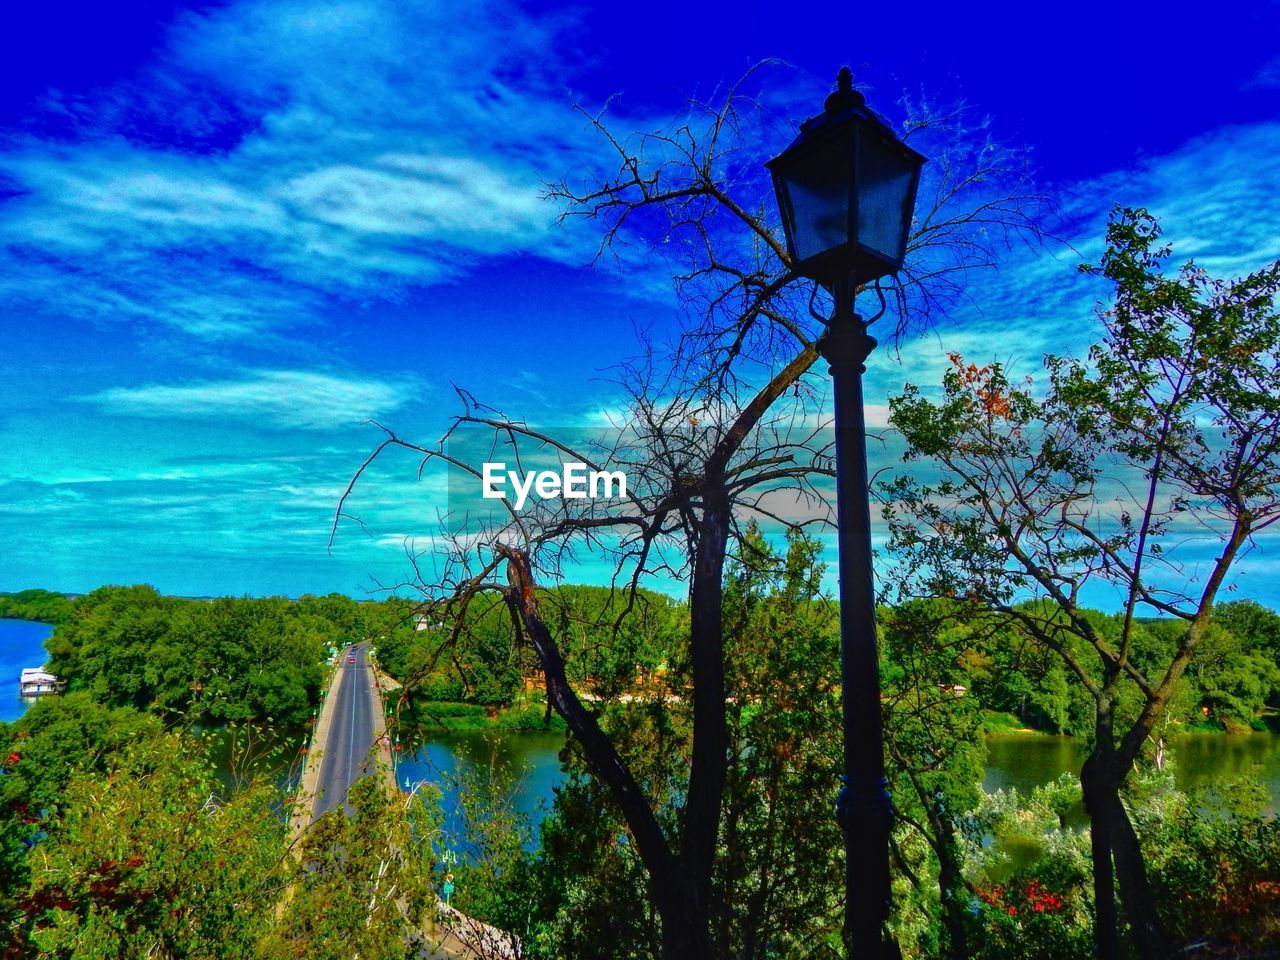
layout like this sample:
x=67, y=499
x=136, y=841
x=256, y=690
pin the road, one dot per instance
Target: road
x=349, y=724
x=348, y=756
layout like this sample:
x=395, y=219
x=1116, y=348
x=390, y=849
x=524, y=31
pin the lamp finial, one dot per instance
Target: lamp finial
x=844, y=97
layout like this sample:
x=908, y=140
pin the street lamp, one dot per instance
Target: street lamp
x=846, y=188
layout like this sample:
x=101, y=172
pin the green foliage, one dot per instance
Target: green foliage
x=1042, y=491
x=778, y=874
x=529, y=717
x=780, y=863
x=214, y=661
x=587, y=890
x=487, y=850
x=1030, y=874
x=479, y=665
x=145, y=859
x=611, y=643
x=1215, y=862
x=1213, y=857
x=120, y=839
x=611, y=640
x=1026, y=918
x=357, y=874
x=41, y=605
x=1236, y=675
x=54, y=740
x=1027, y=498
x=934, y=739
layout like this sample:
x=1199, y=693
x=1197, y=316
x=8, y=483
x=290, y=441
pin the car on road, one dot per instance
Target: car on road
x=351, y=658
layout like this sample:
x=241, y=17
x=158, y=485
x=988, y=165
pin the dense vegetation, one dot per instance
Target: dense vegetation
x=992, y=876
x=119, y=839
x=42, y=605
x=1234, y=684
x=208, y=661
x=237, y=659
x=91, y=763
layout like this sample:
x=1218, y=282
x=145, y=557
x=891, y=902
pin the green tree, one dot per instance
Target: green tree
x=41, y=605
x=55, y=739
x=1172, y=424
x=778, y=879
x=221, y=660
x=777, y=884
x=116, y=646
x=933, y=735
x=146, y=859
x=365, y=884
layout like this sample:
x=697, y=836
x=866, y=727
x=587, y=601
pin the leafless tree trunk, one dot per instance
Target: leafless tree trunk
x=724, y=419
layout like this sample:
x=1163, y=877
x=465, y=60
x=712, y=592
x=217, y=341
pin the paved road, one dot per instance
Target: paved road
x=347, y=756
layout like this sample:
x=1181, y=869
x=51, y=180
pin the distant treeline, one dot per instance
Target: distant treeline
x=230, y=659
x=234, y=659
x=1233, y=683
x=220, y=660
x=609, y=642
x=42, y=605
x=610, y=648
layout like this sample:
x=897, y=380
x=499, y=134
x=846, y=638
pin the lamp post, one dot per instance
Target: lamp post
x=846, y=188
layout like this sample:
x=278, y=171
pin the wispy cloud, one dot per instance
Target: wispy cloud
x=279, y=399
x=357, y=165
x=1267, y=77
x=1213, y=208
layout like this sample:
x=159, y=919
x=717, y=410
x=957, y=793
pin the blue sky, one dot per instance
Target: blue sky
x=231, y=232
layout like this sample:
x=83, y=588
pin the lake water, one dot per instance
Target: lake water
x=21, y=646
x=1198, y=758
x=528, y=764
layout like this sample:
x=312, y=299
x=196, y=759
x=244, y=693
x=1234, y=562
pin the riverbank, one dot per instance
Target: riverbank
x=445, y=716
x=527, y=764
x=998, y=723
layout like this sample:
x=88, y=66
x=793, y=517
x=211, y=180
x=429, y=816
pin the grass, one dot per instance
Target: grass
x=999, y=721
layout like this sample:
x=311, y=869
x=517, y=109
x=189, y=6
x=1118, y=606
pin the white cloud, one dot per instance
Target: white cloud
x=278, y=399
x=438, y=197
x=1213, y=208
x=380, y=145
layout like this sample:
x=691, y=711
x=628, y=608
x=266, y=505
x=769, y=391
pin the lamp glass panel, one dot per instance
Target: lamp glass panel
x=817, y=185
x=884, y=182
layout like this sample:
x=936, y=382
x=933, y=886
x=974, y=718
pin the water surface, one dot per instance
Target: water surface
x=21, y=646
x=527, y=765
x=1025, y=762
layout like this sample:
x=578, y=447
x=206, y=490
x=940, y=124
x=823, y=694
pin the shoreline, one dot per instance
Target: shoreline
x=454, y=716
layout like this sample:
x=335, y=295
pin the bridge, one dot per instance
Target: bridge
x=350, y=742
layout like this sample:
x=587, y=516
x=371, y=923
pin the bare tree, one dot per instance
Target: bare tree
x=723, y=423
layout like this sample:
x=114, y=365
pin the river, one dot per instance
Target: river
x=529, y=765
x=21, y=646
